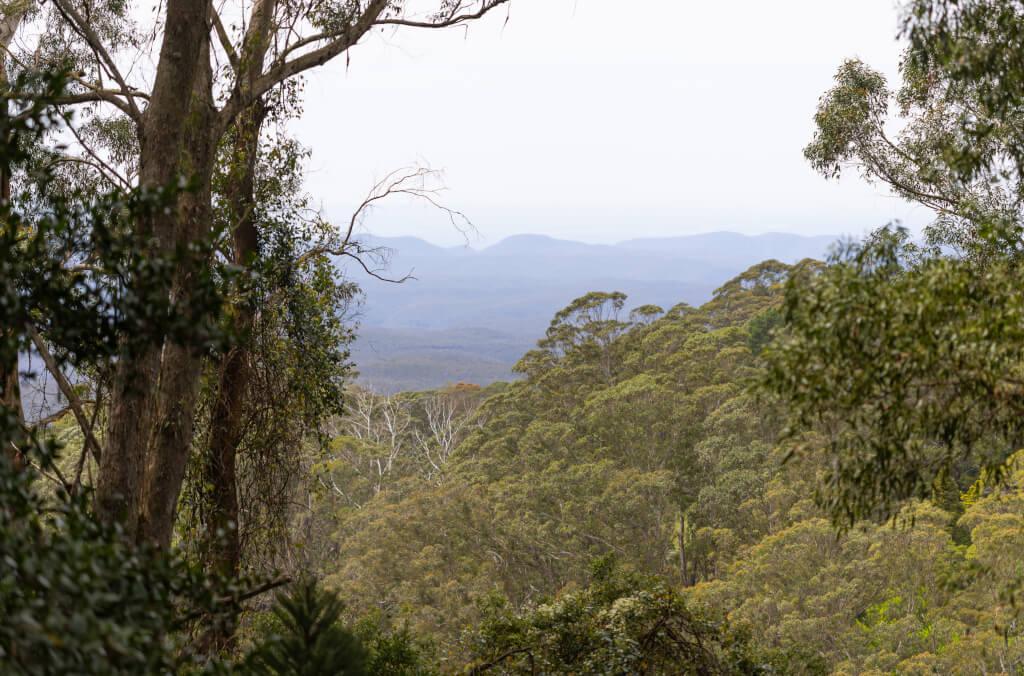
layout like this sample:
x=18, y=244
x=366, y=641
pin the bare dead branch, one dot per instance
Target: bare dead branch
x=85, y=454
x=409, y=181
x=57, y=415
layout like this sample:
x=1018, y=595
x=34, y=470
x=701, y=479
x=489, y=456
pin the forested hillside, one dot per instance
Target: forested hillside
x=640, y=437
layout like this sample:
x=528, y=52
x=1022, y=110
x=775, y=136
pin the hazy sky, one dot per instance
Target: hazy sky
x=603, y=120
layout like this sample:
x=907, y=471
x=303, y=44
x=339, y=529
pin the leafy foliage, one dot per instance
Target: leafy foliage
x=78, y=598
x=910, y=370
x=619, y=624
x=310, y=642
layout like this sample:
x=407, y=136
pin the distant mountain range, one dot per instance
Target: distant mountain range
x=470, y=314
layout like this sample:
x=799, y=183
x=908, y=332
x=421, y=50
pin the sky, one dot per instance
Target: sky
x=603, y=120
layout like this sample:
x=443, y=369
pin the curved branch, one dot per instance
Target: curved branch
x=451, y=20
x=97, y=96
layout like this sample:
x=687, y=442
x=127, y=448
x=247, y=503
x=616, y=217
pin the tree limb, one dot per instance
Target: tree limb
x=82, y=27
x=285, y=69
x=224, y=38
x=96, y=96
x=67, y=390
x=451, y=20
x=235, y=599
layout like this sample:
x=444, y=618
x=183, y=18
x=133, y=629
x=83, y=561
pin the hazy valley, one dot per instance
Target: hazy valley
x=469, y=314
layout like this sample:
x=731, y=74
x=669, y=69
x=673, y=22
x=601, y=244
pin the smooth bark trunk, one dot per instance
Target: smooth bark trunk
x=181, y=365
x=684, y=578
x=157, y=381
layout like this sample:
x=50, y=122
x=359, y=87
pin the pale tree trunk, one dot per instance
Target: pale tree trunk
x=683, y=576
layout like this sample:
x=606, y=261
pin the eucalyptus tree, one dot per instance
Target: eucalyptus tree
x=909, y=359
x=213, y=69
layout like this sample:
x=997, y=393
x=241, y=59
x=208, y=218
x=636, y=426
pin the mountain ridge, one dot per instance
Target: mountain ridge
x=505, y=294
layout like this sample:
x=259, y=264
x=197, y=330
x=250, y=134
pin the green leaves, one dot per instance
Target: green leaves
x=309, y=640
x=79, y=598
x=908, y=371
x=850, y=119
x=620, y=623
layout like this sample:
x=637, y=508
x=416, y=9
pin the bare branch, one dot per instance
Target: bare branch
x=82, y=457
x=409, y=181
x=374, y=273
x=74, y=401
x=452, y=19
x=57, y=415
x=224, y=38
x=95, y=96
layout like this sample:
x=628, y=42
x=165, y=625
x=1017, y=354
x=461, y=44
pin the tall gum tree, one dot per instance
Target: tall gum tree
x=209, y=77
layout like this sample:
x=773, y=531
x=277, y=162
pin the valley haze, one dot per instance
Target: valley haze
x=468, y=315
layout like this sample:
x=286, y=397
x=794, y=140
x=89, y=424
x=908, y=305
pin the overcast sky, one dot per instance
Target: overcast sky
x=604, y=120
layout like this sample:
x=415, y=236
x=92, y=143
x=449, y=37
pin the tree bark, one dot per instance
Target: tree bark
x=234, y=375
x=181, y=364
x=10, y=385
x=159, y=378
x=682, y=551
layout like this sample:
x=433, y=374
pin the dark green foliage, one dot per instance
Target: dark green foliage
x=68, y=264
x=77, y=598
x=396, y=651
x=762, y=329
x=620, y=623
x=309, y=640
x=912, y=368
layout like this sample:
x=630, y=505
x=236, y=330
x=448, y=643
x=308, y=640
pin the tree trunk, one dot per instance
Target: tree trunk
x=223, y=547
x=159, y=379
x=682, y=551
x=220, y=467
x=181, y=365
x=10, y=386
